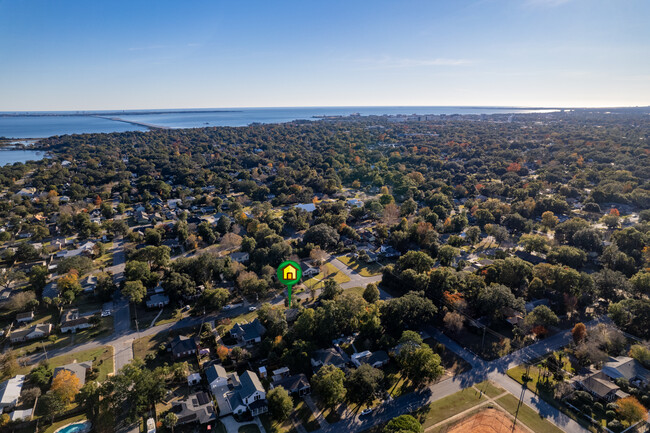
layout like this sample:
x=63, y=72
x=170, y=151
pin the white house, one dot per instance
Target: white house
x=71, y=321
x=217, y=378
x=10, y=392
x=32, y=333
x=157, y=301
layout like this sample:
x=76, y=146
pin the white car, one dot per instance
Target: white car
x=106, y=313
x=366, y=411
x=252, y=308
x=227, y=307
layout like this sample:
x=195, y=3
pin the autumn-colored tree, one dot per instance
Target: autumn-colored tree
x=222, y=352
x=69, y=281
x=549, y=219
x=540, y=331
x=629, y=409
x=65, y=386
x=514, y=167
x=579, y=332
x=614, y=211
x=98, y=200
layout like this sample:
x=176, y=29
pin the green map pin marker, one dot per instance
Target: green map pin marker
x=289, y=273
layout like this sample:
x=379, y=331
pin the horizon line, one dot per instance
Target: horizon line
x=519, y=107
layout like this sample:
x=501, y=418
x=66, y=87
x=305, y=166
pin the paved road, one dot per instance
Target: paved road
x=482, y=370
x=356, y=279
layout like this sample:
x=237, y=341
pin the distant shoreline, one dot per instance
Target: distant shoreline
x=111, y=113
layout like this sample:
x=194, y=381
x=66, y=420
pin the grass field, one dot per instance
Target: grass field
x=273, y=426
x=527, y=415
x=101, y=357
x=534, y=372
x=489, y=389
x=332, y=272
x=447, y=407
x=306, y=417
x=364, y=269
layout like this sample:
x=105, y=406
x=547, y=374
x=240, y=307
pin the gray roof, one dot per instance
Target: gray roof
x=249, y=384
x=626, y=367
x=182, y=344
x=599, y=384
x=293, y=383
x=214, y=372
x=328, y=356
x=249, y=331
x=196, y=408
x=78, y=369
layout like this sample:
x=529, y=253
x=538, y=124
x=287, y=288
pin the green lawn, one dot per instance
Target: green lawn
x=364, y=269
x=489, y=389
x=447, y=407
x=275, y=427
x=534, y=372
x=150, y=344
x=306, y=417
x=527, y=415
x=101, y=357
x=332, y=272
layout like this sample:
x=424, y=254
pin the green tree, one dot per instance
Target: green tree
x=329, y=385
x=371, y=293
x=422, y=365
x=280, y=403
x=170, y=420
x=403, y=424
x=135, y=291
x=364, y=383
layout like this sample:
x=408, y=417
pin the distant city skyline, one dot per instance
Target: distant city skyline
x=74, y=55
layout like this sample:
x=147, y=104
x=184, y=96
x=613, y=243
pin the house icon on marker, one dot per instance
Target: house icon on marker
x=289, y=273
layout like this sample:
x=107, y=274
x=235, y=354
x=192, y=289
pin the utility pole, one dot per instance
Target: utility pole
x=44, y=351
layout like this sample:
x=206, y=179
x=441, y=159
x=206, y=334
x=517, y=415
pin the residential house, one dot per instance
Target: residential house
x=50, y=290
x=196, y=409
x=599, y=385
x=248, y=396
x=248, y=333
x=72, y=321
x=240, y=257
x=10, y=392
x=157, y=301
x=193, y=379
x=627, y=368
x=376, y=359
x=89, y=283
x=328, y=356
x=182, y=346
x=79, y=369
x=217, y=378
x=296, y=385
x=32, y=333
x=25, y=317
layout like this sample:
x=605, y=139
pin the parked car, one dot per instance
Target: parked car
x=366, y=411
x=252, y=308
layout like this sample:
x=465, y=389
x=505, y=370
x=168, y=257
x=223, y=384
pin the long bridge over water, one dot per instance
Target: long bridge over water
x=134, y=122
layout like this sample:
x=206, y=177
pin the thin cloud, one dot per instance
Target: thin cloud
x=398, y=63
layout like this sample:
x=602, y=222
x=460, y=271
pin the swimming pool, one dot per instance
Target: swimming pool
x=79, y=427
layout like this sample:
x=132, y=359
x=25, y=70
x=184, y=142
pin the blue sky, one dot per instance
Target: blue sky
x=75, y=55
